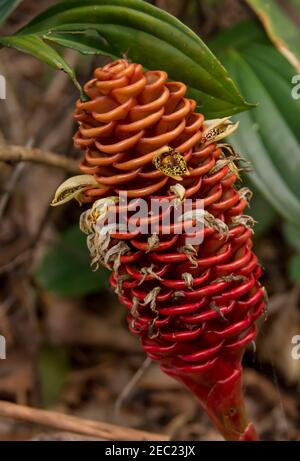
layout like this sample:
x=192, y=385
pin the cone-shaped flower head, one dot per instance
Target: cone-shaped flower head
x=192, y=292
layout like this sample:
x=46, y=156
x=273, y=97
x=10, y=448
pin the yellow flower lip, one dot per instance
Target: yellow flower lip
x=73, y=188
x=171, y=163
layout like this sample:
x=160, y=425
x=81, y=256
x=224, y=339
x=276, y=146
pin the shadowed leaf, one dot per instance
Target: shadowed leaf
x=65, y=269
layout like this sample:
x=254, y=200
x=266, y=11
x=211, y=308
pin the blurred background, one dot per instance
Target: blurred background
x=68, y=348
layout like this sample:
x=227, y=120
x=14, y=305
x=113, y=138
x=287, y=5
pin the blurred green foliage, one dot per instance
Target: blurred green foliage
x=65, y=269
x=269, y=135
x=6, y=8
x=53, y=369
x=281, y=22
x=294, y=268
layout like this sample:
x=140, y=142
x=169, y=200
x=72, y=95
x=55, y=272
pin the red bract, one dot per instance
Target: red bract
x=194, y=308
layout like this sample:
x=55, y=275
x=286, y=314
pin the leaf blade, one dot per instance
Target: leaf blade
x=151, y=37
x=35, y=46
x=281, y=29
x=6, y=8
x=106, y=15
x=81, y=42
x=266, y=176
x=248, y=59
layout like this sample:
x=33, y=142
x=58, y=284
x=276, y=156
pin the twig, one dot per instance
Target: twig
x=16, y=174
x=131, y=385
x=28, y=154
x=263, y=386
x=74, y=424
x=6, y=306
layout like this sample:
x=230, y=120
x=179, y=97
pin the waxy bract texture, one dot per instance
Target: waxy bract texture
x=194, y=307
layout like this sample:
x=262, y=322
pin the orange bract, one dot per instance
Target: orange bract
x=130, y=116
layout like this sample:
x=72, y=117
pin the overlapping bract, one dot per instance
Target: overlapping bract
x=194, y=307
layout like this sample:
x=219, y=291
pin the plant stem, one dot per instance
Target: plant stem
x=29, y=154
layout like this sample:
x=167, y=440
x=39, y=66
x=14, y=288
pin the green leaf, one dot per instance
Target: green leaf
x=292, y=236
x=218, y=108
x=53, y=369
x=261, y=212
x=271, y=126
x=294, y=268
x=65, y=269
x=281, y=22
x=35, y=46
x=85, y=43
x=6, y=8
x=145, y=34
x=268, y=136
x=276, y=73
